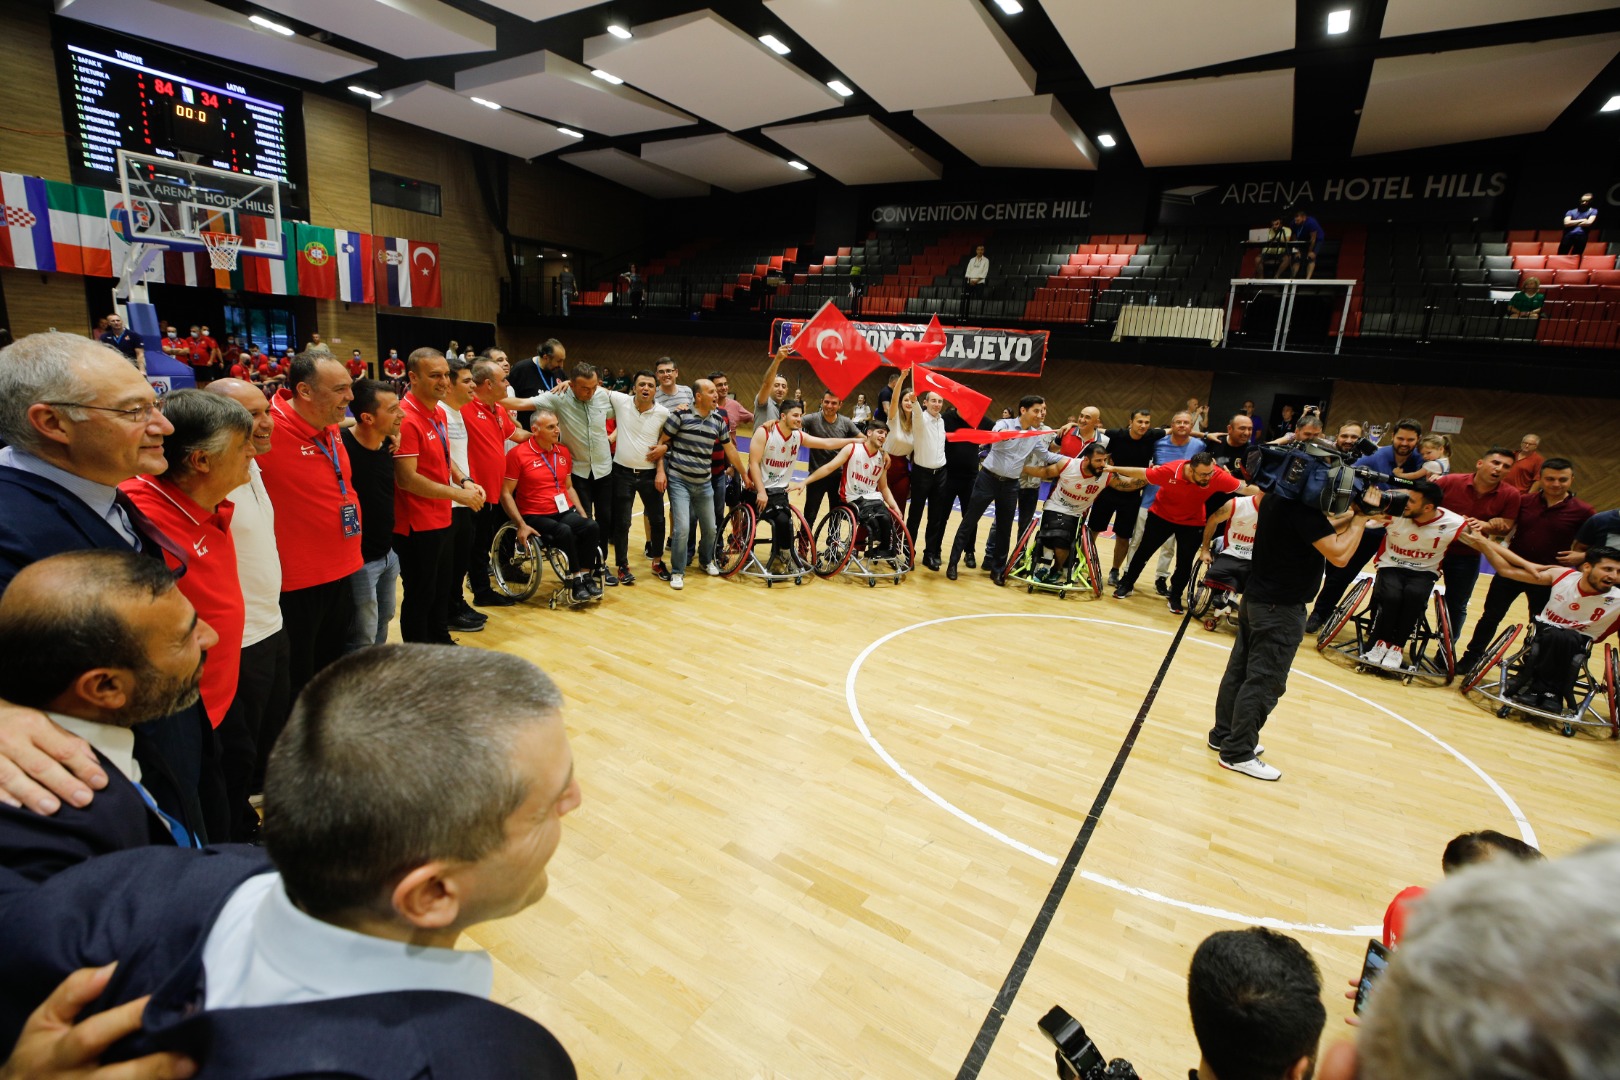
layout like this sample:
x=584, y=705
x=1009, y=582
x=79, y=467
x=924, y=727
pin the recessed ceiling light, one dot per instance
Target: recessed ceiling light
x=1106, y=141
x=363, y=92
x=1339, y=21
x=1612, y=105
x=486, y=103
x=772, y=44
x=571, y=133
x=801, y=166
x=605, y=77
x=839, y=88
x=619, y=32
x=565, y=255
x=260, y=20
x=1011, y=7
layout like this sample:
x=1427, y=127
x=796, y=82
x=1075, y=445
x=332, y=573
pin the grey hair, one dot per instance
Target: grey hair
x=1509, y=971
x=543, y=410
x=203, y=423
x=36, y=368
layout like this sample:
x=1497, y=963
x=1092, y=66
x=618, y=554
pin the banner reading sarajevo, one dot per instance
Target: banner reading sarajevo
x=967, y=348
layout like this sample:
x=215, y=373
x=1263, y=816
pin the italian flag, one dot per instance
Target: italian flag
x=79, y=230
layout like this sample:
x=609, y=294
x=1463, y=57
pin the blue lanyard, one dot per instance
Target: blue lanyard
x=540, y=456
x=332, y=456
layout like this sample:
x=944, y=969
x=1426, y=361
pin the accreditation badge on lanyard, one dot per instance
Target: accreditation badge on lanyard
x=350, y=513
x=561, y=498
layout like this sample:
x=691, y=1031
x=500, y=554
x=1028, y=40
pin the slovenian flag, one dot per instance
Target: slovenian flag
x=392, y=258
x=25, y=223
x=355, y=281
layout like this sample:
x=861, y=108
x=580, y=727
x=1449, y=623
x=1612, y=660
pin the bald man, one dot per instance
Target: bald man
x=99, y=641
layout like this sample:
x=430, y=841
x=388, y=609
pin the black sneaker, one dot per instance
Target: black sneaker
x=647, y=550
x=1176, y=608
x=1314, y=623
x=967, y=557
x=463, y=625
x=1113, y=579
x=580, y=590
x=492, y=600
x=1123, y=592
x=659, y=570
x=593, y=584
x=625, y=577
x=1161, y=586
x=609, y=579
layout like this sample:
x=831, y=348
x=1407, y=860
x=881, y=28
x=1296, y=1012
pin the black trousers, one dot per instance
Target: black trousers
x=988, y=488
x=1573, y=244
x=1155, y=531
x=779, y=514
x=930, y=491
x=1338, y=578
x=959, y=488
x=485, y=524
x=316, y=621
x=1498, y=599
x=463, y=535
x=250, y=729
x=627, y=485
x=596, y=501
x=572, y=533
x=1268, y=636
x=1399, y=596
x=424, y=566
x=1556, y=659
x=825, y=488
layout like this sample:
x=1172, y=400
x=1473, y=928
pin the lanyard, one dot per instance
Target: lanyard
x=444, y=434
x=540, y=456
x=329, y=452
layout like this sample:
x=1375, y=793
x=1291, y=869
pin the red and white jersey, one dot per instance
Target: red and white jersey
x=861, y=474
x=1074, y=491
x=1570, y=606
x=781, y=454
x=1411, y=546
x=1240, y=528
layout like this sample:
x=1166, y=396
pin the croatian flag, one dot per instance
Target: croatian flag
x=355, y=281
x=25, y=223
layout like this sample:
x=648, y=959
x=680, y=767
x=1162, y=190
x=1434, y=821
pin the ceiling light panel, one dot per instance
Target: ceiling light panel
x=625, y=168
x=1233, y=118
x=431, y=106
x=1021, y=133
x=552, y=86
x=724, y=161
x=856, y=150
x=1404, y=17
x=1123, y=42
x=411, y=29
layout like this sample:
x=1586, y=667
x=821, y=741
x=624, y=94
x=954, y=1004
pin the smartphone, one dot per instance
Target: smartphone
x=1377, y=960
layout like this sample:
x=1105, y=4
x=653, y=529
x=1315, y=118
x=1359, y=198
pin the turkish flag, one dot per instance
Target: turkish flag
x=837, y=351
x=981, y=437
x=902, y=353
x=424, y=267
x=970, y=403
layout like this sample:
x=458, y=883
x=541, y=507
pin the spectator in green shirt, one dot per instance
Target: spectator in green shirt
x=1526, y=303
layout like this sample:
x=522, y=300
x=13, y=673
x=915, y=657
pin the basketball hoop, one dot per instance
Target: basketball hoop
x=222, y=249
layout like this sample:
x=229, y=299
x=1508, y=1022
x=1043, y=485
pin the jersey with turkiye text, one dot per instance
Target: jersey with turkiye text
x=1074, y=491
x=1570, y=606
x=1411, y=546
x=781, y=454
x=862, y=472
x=1240, y=527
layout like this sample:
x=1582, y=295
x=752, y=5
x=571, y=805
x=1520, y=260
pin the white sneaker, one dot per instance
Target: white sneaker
x=1376, y=654
x=1391, y=660
x=677, y=581
x=713, y=569
x=1254, y=767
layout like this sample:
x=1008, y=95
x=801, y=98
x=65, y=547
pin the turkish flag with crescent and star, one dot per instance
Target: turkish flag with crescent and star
x=425, y=290
x=837, y=351
x=903, y=353
x=969, y=402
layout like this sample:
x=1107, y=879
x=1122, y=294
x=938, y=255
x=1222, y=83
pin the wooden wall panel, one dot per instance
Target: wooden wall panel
x=336, y=143
x=561, y=205
x=36, y=302
x=32, y=140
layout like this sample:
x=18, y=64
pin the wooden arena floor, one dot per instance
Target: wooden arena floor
x=753, y=889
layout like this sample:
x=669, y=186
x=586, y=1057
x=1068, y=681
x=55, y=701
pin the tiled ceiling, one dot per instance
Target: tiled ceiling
x=937, y=89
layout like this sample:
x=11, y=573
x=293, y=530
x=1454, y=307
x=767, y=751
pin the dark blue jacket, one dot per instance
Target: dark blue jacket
x=36, y=846
x=152, y=911
x=39, y=519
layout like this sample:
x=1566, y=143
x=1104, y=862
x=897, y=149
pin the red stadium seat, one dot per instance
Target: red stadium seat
x=1610, y=294
x=1119, y=260
x=1581, y=294
x=1597, y=262
x=1072, y=270
x=1086, y=249
x=846, y=251
x=1090, y=271
x=1529, y=262
x=1563, y=262
x=1521, y=236
x=1078, y=260
x=1549, y=247
x=1571, y=277
x=1524, y=247
x=1106, y=249
x=1126, y=249
x=1108, y=271
x=1550, y=236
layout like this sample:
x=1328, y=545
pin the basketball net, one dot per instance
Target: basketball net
x=222, y=249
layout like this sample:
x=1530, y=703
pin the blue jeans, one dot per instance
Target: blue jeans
x=689, y=500
x=376, y=593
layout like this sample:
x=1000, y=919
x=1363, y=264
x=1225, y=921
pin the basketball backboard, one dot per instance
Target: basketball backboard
x=171, y=203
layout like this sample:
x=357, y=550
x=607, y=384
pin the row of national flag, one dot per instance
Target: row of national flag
x=47, y=225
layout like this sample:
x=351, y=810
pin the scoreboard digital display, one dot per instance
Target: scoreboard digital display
x=121, y=93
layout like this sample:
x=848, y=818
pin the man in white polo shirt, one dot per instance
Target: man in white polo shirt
x=637, y=420
x=928, y=487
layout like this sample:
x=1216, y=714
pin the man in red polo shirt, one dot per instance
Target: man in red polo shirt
x=357, y=366
x=490, y=433
x=208, y=455
x=1526, y=465
x=426, y=484
x=537, y=493
x=1491, y=507
x=1177, y=511
x=307, y=476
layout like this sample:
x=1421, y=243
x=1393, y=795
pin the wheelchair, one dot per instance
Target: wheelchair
x=1429, y=656
x=517, y=569
x=842, y=545
x=1504, y=672
x=1213, y=602
x=737, y=548
x=1031, y=563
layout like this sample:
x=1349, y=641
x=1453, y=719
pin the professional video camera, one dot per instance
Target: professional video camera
x=1318, y=475
x=1078, y=1057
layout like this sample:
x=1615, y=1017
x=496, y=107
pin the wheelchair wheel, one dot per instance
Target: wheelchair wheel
x=905, y=549
x=736, y=540
x=1088, y=549
x=1199, y=595
x=1343, y=613
x=804, y=544
x=1442, y=635
x=1021, y=550
x=515, y=567
x=835, y=540
x=1494, y=655
x=1611, y=687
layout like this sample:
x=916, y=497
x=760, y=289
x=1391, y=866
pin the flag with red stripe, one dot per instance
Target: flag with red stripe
x=839, y=353
x=969, y=402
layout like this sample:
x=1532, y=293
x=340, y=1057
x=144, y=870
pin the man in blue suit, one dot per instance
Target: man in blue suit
x=99, y=641
x=417, y=791
x=78, y=421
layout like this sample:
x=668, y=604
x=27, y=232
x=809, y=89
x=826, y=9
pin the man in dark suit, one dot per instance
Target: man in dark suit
x=78, y=421
x=99, y=641
x=334, y=955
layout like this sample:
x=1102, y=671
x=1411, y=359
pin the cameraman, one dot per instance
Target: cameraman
x=1292, y=541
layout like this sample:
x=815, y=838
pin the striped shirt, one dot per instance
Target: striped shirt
x=692, y=442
